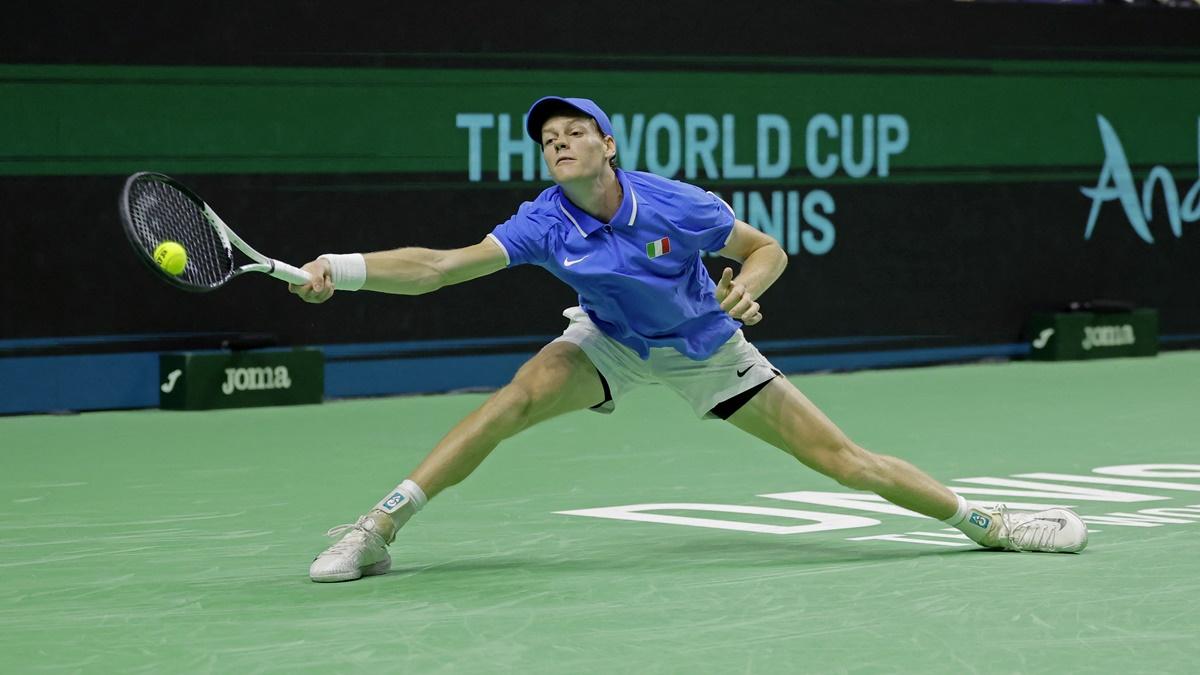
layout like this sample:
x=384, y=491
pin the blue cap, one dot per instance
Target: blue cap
x=541, y=109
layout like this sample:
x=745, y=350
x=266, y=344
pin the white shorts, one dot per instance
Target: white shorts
x=735, y=368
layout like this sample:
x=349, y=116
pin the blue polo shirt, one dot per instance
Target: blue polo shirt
x=639, y=277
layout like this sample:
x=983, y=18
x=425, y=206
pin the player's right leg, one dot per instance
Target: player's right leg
x=559, y=379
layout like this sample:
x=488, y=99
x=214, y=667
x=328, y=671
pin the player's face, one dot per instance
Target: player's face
x=574, y=148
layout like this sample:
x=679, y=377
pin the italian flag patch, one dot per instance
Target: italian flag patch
x=657, y=248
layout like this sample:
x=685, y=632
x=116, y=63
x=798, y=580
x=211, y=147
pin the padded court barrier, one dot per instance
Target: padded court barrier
x=1090, y=335
x=206, y=381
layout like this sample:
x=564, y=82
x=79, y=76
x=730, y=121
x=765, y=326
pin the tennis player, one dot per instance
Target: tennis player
x=630, y=244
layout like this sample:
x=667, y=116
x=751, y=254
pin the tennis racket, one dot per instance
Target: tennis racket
x=157, y=209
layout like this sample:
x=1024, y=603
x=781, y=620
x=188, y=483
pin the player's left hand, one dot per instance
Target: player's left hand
x=736, y=300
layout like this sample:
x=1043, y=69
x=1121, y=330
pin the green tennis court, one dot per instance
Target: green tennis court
x=179, y=542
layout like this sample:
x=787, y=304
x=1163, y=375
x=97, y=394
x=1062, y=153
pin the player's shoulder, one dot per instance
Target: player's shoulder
x=542, y=210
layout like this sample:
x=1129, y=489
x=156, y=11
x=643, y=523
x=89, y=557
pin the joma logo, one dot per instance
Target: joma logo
x=255, y=379
x=1108, y=336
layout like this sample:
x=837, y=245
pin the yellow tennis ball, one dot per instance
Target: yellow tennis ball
x=171, y=257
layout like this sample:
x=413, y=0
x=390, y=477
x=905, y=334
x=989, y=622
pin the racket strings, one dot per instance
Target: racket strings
x=161, y=213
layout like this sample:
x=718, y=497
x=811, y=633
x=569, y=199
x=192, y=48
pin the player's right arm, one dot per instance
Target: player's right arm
x=409, y=271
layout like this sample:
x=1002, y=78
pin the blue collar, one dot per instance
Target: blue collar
x=586, y=224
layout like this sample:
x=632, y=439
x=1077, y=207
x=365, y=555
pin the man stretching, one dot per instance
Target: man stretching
x=630, y=244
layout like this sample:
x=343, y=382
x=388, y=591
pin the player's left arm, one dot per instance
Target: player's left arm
x=762, y=259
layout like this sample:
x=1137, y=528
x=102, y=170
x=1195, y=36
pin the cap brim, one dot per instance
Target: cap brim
x=538, y=115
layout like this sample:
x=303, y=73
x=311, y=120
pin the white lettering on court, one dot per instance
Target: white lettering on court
x=644, y=513
x=818, y=521
x=1152, y=470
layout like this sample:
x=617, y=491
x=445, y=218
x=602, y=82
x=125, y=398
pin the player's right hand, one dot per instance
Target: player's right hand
x=320, y=288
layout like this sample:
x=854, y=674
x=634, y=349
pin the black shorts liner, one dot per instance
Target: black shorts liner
x=726, y=408
x=607, y=391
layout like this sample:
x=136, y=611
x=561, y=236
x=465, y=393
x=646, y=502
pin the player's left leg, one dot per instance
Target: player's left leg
x=784, y=417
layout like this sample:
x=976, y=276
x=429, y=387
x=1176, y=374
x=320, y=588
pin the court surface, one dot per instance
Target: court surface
x=171, y=542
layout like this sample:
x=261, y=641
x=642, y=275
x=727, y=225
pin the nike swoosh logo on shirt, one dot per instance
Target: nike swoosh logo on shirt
x=743, y=372
x=568, y=263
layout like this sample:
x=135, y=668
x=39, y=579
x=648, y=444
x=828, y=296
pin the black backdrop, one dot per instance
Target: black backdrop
x=69, y=272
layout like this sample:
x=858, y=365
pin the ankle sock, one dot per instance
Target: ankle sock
x=970, y=520
x=402, y=503
x=960, y=514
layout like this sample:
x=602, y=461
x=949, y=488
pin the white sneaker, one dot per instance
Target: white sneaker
x=361, y=552
x=1050, y=531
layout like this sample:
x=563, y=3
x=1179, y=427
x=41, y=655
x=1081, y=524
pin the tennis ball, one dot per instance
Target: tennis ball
x=171, y=257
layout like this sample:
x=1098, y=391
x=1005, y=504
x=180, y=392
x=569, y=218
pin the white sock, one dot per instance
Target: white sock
x=961, y=514
x=970, y=520
x=402, y=503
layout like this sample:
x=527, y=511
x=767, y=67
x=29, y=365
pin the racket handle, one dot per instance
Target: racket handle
x=292, y=275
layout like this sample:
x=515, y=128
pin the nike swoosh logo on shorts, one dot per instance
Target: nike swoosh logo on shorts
x=568, y=263
x=743, y=372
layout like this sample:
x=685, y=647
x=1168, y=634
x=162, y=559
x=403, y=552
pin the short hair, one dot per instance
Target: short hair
x=555, y=108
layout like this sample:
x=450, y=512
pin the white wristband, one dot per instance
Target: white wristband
x=348, y=270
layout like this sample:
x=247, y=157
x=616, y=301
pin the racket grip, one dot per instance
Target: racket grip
x=292, y=275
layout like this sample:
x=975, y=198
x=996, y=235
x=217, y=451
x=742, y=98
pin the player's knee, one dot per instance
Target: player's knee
x=511, y=408
x=521, y=403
